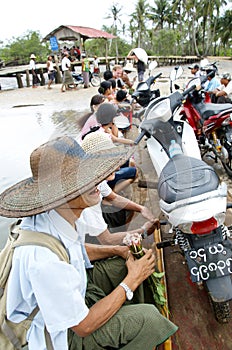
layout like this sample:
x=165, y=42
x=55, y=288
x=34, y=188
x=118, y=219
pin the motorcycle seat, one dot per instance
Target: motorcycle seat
x=185, y=177
x=207, y=110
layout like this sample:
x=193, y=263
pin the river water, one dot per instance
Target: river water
x=11, y=83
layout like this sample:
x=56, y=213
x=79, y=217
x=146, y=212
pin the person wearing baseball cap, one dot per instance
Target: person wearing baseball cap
x=105, y=117
x=195, y=70
x=223, y=94
x=80, y=303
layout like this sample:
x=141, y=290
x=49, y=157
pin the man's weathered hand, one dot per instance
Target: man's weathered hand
x=140, y=269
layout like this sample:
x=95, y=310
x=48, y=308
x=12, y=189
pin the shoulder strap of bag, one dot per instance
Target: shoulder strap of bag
x=28, y=237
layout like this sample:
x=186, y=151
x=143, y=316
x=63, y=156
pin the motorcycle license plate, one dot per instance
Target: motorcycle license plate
x=211, y=262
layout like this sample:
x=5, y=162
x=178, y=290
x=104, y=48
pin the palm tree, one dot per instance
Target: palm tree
x=159, y=13
x=140, y=17
x=115, y=15
x=224, y=29
x=178, y=9
x=208, y=13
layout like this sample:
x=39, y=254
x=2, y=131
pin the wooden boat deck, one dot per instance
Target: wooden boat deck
x=188, y=304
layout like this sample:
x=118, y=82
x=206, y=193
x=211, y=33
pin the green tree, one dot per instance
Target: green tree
x=159, y=14
x=178, y=9
x=115, y=15
x=140, y=17
x=210, y=15
x=224, y=37
x=19, y=49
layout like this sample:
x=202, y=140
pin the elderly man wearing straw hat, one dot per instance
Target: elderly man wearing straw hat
x=86, y=299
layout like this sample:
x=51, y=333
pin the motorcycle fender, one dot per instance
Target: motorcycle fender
x=189, y=142
x=220, y=289
x=157, y=154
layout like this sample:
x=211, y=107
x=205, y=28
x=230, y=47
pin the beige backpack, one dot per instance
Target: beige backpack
x=13, y=335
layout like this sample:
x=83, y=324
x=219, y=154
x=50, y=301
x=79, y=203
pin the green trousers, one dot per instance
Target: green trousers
x=138, y=325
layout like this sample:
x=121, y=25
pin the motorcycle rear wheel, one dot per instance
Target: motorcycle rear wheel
x=226, y=142
x=222, y=310
x=95, y=80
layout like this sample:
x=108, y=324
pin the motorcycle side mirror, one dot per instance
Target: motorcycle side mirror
x=152, y=65
x=204, y=62
x=176, y=73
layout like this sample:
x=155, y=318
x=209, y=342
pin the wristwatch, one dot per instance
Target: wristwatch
x=129, y=293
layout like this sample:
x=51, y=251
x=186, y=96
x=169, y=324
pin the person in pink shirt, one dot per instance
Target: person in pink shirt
x=89, y=120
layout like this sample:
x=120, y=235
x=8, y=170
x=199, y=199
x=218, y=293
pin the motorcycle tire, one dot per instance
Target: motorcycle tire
x=226, y=142
x=222, y=311
x=228, y=166
x=95, y=80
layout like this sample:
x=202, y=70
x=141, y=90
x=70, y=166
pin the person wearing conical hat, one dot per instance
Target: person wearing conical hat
x=81, y=303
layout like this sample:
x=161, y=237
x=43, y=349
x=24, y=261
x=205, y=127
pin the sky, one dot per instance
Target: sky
x=43, y=15
x=18, y=17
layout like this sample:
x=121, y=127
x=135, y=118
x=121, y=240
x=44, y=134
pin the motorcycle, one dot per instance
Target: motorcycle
x=212, y=123
x=94, y=78
x=192, y=198
x=127, y=114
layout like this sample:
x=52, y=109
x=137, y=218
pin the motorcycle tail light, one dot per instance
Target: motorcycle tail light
x=204, y=227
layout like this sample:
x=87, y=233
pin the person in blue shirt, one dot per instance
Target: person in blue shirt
x=213, y=83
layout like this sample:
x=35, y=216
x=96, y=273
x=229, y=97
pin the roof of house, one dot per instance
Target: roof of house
x=68, y=32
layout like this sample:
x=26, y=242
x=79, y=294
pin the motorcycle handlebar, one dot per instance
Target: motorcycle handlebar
x=139, y=138
x=157, y=76
x=186, y=92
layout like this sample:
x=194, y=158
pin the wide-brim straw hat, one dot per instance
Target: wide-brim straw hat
x=98, y=141
x=32, y=56
x=61, y=171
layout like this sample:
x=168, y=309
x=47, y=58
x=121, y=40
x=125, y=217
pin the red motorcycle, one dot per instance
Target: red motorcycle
x=212, y=124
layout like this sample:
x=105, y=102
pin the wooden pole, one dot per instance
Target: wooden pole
x=28, y=78
x=42, y=79
x=167, y=345
x=19, y=80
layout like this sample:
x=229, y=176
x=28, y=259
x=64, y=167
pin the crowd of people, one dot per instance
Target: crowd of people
x=219, y=89
x=101, y=299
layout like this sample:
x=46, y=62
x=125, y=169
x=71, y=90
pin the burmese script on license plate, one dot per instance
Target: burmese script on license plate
x=211, y=262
